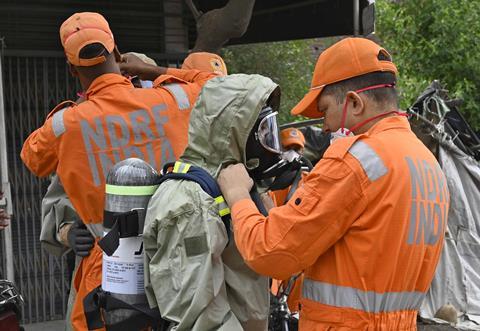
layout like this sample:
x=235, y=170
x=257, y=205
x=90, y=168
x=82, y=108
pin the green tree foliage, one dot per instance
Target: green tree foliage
x=429, y=39
x=290, y=64
x=435, y=39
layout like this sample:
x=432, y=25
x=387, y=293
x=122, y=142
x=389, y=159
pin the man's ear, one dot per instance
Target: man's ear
x=73, y=70
x=356, y=102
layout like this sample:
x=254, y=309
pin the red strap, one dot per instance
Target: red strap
x=356, y=126
x=373, y=87
x=344, y=110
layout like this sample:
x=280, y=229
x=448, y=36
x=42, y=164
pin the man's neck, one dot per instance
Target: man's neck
x=379, y=113
x=87, y=81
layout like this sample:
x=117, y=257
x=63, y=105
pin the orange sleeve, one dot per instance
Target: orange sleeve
x=279, y=196
x=191, y=75
x=39, y=152
x=293, y=236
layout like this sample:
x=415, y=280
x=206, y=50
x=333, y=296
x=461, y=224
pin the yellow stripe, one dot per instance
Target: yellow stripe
x=181, y=167
x=222, y=204
x=176, y=166
x=219, y=199
x=224, y=212
x=130, y=190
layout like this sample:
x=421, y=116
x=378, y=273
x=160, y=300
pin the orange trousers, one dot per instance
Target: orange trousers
x=87, y=278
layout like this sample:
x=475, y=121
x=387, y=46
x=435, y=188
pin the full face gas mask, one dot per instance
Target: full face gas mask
x=269, y=166
x=263, y=150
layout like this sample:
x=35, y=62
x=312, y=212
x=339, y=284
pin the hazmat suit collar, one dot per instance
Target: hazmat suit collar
x=222, y=119
x=105, y=82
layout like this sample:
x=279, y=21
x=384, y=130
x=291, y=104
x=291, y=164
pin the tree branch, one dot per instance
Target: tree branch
x=195, y=12
x=216, y=27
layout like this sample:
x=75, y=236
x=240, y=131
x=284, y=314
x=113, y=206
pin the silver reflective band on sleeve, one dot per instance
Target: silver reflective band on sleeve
x=96, y=229
x=58, y=125
x=371, y=163
x=179, y=94
x=368, y=301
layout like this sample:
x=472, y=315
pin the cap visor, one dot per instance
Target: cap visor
x=308, y=105
x=292, y=142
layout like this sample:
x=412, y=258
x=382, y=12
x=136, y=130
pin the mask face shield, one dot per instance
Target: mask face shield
x=268, y=133
x=262, y=150
x=267, y=163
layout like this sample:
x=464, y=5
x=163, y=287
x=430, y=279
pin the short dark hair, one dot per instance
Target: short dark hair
x=387, y=95
x=92, y=51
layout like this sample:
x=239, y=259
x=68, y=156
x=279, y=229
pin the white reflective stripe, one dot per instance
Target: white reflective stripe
x=96, y=229
x=371, y=163
x=368, y=301
x=179, y=94
x=58, y=125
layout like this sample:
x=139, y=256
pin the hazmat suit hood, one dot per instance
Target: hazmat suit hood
x=223, y=117
x=194, y=273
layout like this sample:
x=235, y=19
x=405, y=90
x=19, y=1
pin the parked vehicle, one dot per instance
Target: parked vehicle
x=11, y=302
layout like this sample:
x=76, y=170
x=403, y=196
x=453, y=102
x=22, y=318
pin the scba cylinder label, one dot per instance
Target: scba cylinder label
x=122, y=272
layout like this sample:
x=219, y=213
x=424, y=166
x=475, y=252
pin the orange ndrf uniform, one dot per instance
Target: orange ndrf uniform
x=117, y=121
x=367, y=226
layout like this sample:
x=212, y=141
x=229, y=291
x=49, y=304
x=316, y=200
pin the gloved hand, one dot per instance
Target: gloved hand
x=80, y=239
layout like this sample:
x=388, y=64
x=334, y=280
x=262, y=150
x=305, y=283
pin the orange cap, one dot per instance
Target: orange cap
x=82, y=29
x=206, y=62
x=292, y=136
x=350, y=57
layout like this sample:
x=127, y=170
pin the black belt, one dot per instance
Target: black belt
x=99, y=300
